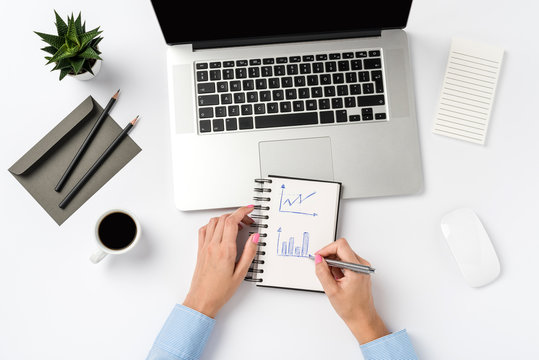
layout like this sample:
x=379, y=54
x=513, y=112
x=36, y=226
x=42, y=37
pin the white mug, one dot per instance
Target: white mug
x=114, y=234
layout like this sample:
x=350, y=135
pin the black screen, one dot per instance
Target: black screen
x=238, y=20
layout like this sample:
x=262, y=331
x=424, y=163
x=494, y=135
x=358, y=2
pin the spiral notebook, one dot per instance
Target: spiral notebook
x=295, y=218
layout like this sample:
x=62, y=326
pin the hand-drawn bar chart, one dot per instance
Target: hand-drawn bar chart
x=291, y=248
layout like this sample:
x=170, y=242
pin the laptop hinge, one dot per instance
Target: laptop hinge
x=210, y=44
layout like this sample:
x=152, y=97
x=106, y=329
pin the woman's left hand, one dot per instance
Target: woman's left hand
x=217, y=275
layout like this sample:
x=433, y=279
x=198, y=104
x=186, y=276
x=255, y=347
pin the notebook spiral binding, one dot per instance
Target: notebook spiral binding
x=261, y=199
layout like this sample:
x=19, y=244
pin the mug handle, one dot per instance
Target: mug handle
x=98, y=256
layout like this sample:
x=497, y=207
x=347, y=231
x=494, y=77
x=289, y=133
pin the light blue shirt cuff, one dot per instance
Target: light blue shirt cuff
x=183, y=336
x=390, y=347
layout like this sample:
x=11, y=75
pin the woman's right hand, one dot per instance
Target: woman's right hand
x=349, y=292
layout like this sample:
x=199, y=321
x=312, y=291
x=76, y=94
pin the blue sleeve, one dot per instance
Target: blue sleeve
x=183, y=336
x=395, y=346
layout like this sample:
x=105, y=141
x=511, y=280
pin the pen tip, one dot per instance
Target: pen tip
x=133, y=122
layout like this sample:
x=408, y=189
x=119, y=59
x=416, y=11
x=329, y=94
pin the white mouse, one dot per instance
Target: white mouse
x=471, y=247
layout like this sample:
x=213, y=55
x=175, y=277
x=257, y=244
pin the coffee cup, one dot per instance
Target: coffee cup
x=116, y=232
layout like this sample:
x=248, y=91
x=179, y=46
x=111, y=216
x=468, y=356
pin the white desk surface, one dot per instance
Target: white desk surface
x=55, y=304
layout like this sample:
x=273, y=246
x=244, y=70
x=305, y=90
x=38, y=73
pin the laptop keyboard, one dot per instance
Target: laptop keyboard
x=306, y=90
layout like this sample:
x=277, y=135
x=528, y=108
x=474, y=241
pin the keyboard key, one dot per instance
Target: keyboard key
x=261, y=84
x=338, y=78
x=241, y=73
x=204, y=113
x=246, y=122
x=341, y=116
x=278, y=95
x=325, y=79
x=329, y=91
x=273, y=108
x=367, y=117
x=228, y=63
x=378, y=82
x=336, y=103
x=323, y=104
x=218, y=125
x=308, y=58
x=268, y=61
x=228, y=74
x=316, y=92
x=310, y=105
x=287, y=82
x=321, y=57
x=202, y=66
x=285, y=106
x=361, y=54
x=355, y=89
x=327, y=117
x=298, y=105
x=267, y=71
x=305, y=68
x=370, y=100
x=299, y=81
x=312, y=80
x=303, y=93
x=380, y=116
x=265, y=96
x=241, y=62
x=363, y=76
x=318, y=67
x=248, y=85
x=279, y=70
x=294, y=59
x=220, y=111
x=226, y=98
x=282, y=60
x=205, y=126
x=254, y=72
x=202, y=76
x=215, y=75
x=233, y=110
x=357, y=65
x=247, y=109
x=375, y=63
x=292, y=69
x=351, y=77
x=331, y=66
x=342, y=90
x=239, y=98
x=231, y=124
x=334, y=56
x=235, y=86
x=252, y=96
x=222, y=86
x=291, y=94
x=374, y=53
x=260, y=109
x=348, y=55
x=255, y=62
x=350, y=102
x=206, y=88
x=207, y=100
x=366, y=113
x=344, y=65
x=274, y=83
x=368, y=88
x=280, y=120
x=355, y=118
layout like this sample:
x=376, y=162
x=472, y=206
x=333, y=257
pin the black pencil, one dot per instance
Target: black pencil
x=97, y=164
x=86, y=143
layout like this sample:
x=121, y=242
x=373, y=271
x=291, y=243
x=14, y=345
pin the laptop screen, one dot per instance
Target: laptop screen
x=230, y=20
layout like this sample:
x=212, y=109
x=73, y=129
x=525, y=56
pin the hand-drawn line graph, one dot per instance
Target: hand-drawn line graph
x=293, y=204
x=287, y=248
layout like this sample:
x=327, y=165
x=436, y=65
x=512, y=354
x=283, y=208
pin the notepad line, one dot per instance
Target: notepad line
x=471, y=83
x=461, y=124
x=471, y=67
x=475, y=62
x=452, y=133
x=476, y=57
x=463, y=97
x=456, y=112
x=461, y=102
x=454, y=128
x=459, y=118
x=472, y=72
x=463, y=108
x=471, y=77
x=464, y=92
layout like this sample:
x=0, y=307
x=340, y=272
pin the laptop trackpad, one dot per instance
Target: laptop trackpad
x=309, y=158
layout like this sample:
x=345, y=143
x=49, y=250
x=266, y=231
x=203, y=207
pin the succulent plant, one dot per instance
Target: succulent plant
x=73, y=50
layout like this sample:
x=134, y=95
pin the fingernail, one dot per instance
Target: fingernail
x=250, y=206
x=255, y=238
x=317, y=259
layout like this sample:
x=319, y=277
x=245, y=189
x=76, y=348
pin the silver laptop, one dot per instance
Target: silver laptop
x=323, y=93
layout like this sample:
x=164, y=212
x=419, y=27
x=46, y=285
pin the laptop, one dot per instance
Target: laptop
x=324, y=92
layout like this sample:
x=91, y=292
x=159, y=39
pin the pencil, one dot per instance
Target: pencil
x=86, y=143
x=364, y=269
x=97, y=164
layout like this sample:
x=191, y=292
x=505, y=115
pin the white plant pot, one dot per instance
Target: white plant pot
x=87, y=75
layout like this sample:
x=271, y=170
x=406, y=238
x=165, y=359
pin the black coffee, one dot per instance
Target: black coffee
x=117, y=230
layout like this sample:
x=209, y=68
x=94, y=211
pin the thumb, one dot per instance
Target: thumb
x=325, y=276
x=246, y=258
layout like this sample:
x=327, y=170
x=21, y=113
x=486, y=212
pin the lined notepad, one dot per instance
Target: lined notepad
x=468, y=90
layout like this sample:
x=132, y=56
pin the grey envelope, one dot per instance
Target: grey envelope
x=40, y=169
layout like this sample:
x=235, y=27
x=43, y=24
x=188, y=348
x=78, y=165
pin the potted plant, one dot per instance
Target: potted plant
x=73, y=51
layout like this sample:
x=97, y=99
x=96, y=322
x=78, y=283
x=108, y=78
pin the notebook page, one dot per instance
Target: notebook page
x=468, y=90
x=302, y=220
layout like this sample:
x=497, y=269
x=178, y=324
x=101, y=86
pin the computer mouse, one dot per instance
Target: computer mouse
x=471, y=247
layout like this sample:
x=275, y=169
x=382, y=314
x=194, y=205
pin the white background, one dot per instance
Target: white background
x=55, y=304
